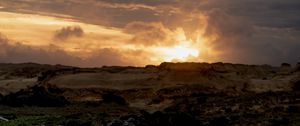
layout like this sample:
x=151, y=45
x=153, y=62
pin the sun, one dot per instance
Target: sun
x=179, y=53
x=185, y=50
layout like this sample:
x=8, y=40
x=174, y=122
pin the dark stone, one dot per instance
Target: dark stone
x=111, y=98
x=46, y=74
x=201, y=100
x=36, y=96
x=293, y=109
x=279, y=121
x=220, y=121
x=55, y=90
x=296, y=86
x=157, y=100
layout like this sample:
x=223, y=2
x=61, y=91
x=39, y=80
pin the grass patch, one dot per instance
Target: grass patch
x=25, y=121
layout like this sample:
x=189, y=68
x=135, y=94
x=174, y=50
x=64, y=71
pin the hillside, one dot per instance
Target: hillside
x=200, y=92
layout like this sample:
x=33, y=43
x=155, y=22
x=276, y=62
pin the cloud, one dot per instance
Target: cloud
x=131, y=6
x=116, y=57
x=121, y=12
x=150, y=34
x=239, y=40
x=3, y=45
x=18, y=53
x=145, y=2
x=68, y=32
x=51, y=54
x=101, y=12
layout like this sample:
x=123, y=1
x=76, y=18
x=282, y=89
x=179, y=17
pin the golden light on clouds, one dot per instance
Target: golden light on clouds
x=38, y=30
x=140, y=32
x=185, y=49
x=85, y=41
x=178, y=53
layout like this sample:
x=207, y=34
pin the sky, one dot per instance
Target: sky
x=93, y=33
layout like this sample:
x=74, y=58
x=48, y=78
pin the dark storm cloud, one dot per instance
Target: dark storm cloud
x=241, y=41
x=103, y=12
x=67, y=32
x=271, y=13
x=275, y=13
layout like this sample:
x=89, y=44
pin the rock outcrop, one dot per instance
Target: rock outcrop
x=171, y=94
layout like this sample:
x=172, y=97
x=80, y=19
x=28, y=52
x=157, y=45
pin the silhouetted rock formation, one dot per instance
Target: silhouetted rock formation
x=36, y=96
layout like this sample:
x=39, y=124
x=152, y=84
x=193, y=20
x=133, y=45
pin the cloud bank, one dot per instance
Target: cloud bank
x=51, y=54
x=240, y=31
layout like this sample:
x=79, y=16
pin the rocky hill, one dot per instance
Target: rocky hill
x=205, y=93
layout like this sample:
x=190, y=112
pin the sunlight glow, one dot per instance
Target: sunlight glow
x=185, y=50
x=179, y=52
x=38, y=31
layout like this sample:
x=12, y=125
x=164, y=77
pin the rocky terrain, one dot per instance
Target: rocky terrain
x=171, y=94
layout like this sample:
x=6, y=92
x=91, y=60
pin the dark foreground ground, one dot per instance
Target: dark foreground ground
x=197, y=99
x=281, y=108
